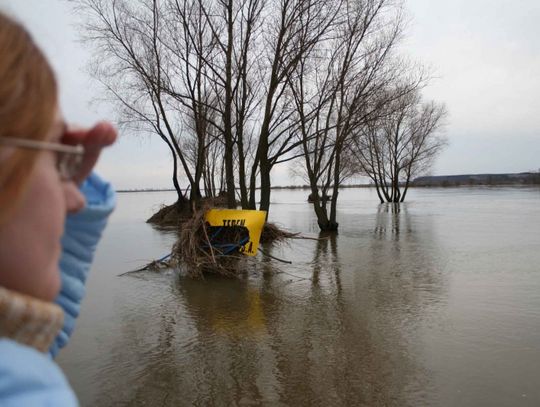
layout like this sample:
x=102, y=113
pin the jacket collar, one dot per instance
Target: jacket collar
x=28, y=320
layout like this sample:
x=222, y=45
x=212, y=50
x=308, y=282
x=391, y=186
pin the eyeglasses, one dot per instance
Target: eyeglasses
x=68, y=158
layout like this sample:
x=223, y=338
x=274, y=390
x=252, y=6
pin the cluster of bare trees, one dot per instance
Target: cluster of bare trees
x=236, y=87
x=399, y=145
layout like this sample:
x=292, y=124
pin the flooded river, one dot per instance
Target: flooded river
x=432, y=303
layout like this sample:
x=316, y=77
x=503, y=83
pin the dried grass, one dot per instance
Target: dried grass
x=194, y=251
x=272, y=233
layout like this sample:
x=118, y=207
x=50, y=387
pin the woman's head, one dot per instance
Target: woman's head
x=34, y=199
x=28, y=101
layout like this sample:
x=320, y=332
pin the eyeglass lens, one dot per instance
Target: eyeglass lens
x=67, y=165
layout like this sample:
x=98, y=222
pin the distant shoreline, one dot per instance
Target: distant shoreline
x=522, y=178
x=437, y=181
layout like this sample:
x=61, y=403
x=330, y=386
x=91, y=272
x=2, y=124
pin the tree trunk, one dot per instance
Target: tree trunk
x=253, y=182
x=407, y=182
x=229, y=174
x=227, y=120
x=377, y=188
x=179, y=194
x=335, y=189
x=265, y=189
x=244, y=199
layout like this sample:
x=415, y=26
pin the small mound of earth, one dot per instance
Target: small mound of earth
x=179, y=212
x=170, y=215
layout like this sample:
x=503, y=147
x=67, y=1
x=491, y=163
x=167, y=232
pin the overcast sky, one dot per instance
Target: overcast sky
x=485, y=55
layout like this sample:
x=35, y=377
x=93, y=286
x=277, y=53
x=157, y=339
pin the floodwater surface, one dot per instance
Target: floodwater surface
x=435, y=302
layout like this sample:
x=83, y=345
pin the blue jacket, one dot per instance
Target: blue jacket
x=31, y=378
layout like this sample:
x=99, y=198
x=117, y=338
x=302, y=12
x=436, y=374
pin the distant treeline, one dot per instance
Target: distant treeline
x=276, y=187
x=145, y=190
x=523, y=178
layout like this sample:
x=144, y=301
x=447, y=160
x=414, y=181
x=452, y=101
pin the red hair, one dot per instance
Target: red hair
x=28, y=99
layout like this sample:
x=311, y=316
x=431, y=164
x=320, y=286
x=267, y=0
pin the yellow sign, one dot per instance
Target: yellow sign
x=252, y=220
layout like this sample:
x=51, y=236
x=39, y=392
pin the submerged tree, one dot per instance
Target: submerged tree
x=207, y=74
x=137, y=62
x=401, y=145
x=340, y=87
x=236, y=87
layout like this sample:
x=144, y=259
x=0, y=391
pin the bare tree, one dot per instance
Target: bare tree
x=394, y=149
x=293, y=29
x=190, y=80
x=338, y=89
x=136, y=59
x=235, y=87
x=230, y=69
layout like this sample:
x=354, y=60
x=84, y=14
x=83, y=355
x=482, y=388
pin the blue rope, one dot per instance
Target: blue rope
x=165, y=257
x=226, y=248
x=237, y=246
x=215, y=234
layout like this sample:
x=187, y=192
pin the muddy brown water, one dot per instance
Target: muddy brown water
x=434, y=303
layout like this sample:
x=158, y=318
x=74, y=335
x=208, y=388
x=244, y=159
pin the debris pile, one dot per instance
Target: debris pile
x=202, y=248
x=220, y=242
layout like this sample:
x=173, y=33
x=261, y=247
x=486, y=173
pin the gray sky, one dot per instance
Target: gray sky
x=485, y=55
